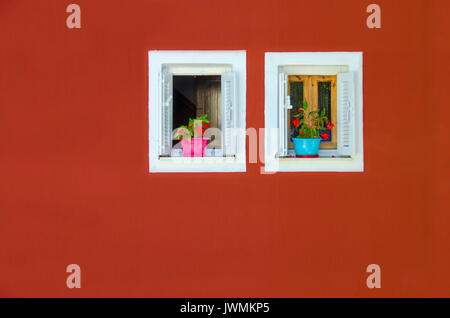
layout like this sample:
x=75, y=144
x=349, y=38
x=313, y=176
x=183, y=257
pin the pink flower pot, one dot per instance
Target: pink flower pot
x=194, y=147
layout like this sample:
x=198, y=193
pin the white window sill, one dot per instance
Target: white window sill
x=321, y=164
x=205, y=160
x=198, y=164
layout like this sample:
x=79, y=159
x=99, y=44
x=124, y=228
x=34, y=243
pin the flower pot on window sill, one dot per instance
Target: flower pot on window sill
x=306, y=147
x=195, y=147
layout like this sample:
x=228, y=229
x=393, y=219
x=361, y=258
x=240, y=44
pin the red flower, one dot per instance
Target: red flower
x=302, y=133
x=325, y=136
x=300, y=110
x=296, y=122
x=330, y=125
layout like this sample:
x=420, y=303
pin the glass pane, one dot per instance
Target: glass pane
x=324, y=96
x=296, y=93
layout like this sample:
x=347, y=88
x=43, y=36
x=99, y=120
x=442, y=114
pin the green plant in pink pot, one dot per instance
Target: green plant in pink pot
x=191, y=136
x=309, y=126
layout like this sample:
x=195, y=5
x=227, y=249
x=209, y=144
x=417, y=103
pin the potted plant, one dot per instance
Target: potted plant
x=310, y=127
x=191, y=136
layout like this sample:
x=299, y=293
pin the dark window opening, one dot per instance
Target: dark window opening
x=194, y=96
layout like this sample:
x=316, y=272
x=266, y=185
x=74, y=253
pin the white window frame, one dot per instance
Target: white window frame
x=316, y=61
x=196, y=63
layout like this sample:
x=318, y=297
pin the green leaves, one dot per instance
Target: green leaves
x=183, y=132
x=193, y=129
x=310, y=123
x=202, y=118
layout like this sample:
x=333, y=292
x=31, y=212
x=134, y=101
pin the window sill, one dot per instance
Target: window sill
x=294, y=159
x=198, y=164
x=321, y=164
x=205, y=160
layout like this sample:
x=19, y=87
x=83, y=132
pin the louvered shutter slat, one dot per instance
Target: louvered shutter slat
x=346, y=114
x=229, y=113
x=166, y=113
x=284, y=105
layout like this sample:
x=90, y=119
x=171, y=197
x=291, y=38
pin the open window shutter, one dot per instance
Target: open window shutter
x=346, y=114
x=166, y=113
x=229, y=113
x=284, y=104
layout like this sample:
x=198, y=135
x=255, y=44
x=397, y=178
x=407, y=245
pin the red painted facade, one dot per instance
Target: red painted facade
x=74, y=181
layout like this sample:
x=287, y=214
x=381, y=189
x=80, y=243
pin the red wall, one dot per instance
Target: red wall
x=74, y=181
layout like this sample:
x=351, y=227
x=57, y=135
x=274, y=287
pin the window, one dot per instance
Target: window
x=196, y=95
x=329, y=81
x=188, y=84
x=190, y=96
x=321, y=93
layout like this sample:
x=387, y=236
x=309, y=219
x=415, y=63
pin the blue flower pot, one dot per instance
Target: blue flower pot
x=306, y=146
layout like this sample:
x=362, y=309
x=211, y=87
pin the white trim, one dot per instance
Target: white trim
x=198, y=69
x=200, y=63
x=318, y=164
x=274, y=62
x=313, y=69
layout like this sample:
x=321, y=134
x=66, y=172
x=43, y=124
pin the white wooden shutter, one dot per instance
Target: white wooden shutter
x=284, y=104
x=346, y=114
x=229, y=113
x=166, y=113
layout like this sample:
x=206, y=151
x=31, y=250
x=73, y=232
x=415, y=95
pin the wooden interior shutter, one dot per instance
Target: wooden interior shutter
x=166, y=113
x=229, y=113
x=284, y=104
x=346, y=114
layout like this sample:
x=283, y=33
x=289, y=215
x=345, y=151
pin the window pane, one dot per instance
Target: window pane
x=324, y=100
x=324, y=94
x=296, y=93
